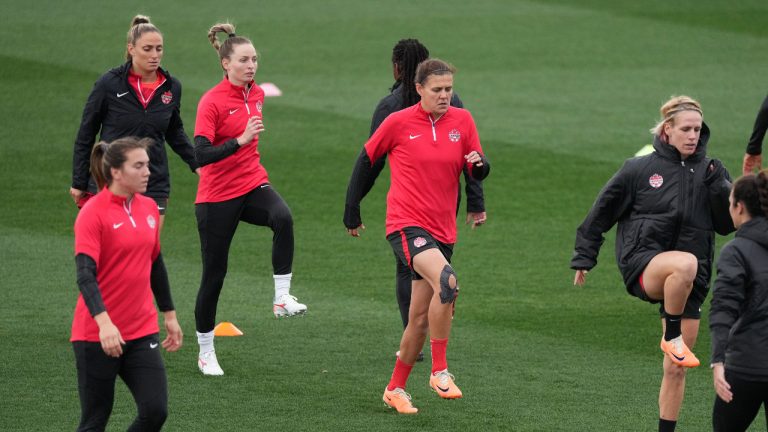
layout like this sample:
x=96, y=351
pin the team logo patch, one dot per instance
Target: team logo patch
x=419, y=242
x=454, y=135
x=151, y=221
x=167, y=97
x=258, y=106
x=656, y=181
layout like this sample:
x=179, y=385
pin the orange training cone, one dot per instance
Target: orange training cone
x=226, y=329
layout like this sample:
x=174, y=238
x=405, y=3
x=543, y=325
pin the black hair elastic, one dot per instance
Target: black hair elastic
x=231, y=35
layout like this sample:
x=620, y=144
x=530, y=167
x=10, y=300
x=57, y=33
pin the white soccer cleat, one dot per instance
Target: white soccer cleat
x=286, y=305
x=208, y=364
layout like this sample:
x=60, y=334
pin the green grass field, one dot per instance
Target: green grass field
x=562, y=92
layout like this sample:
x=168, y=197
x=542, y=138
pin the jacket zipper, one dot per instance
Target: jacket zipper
x=145, y=102
x=127, y=208
x=245, y=97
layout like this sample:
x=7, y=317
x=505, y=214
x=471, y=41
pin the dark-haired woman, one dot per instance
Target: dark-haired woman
x=738, y=318
x=119, y=271
x=406, y=56
x=668, y=206
x=429, y=145
x=234, y=186
x=138, y=99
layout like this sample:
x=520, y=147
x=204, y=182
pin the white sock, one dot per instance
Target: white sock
x=282, y=285
x=205, y=340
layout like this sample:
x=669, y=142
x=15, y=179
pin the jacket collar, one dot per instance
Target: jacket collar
x=668, y=151
x=125, y=69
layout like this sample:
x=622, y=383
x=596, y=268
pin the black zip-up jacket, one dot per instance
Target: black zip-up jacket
x=738, y=317
x=661, y=203
x=394, y=102
x=113, y=110
x=755, y=144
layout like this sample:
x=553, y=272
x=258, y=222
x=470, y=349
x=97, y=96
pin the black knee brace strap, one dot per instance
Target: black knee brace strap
x=448, y=294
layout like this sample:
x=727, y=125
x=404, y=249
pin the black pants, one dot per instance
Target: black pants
x=217, y=222
x=737, y=415
x=403, y=283
x=140, y=367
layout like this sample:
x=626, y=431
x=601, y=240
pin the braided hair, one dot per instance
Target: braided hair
x=407, y=55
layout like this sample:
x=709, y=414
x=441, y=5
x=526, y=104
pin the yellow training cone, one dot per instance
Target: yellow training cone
x=226, y=329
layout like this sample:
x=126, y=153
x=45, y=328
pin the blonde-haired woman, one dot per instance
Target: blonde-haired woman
x=234, y=186
x=668, y=206
x=139, y=99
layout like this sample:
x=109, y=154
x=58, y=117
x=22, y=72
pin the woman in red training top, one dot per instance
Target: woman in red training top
x=119, y=268
x=234, y=186
x=428, y=145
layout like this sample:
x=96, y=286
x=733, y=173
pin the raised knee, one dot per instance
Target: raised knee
x=282, y=217
x=687, y=266
x=449, y=285
x=673, y=371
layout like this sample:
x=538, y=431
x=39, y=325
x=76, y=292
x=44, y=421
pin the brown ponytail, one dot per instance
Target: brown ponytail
x=105, y=156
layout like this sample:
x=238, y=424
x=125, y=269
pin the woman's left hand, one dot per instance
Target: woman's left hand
x=474, y=158
x=174, y=338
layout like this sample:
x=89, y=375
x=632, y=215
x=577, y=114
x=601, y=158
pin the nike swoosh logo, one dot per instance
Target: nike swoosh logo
x=678, y=358
x=233, y=111
x=153, y=345
x=117, y=225
x=388, y=398
x=442, y=389
x=121, y=94
x=413, y=136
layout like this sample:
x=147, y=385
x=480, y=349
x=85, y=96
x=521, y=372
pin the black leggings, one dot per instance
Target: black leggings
x=217, y=222
x=737, y=415
x=140, y=367
x=404, y=280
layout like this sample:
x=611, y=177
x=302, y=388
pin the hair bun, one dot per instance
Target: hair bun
x=140, y=19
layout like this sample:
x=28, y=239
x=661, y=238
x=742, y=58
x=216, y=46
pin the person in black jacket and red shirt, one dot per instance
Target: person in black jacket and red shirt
x=668, y=205
x=138, y=99
x=406, y=55
x=738, y=317
x=753, y=158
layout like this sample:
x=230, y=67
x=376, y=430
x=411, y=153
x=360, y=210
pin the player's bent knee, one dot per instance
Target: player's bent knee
x=449, y=285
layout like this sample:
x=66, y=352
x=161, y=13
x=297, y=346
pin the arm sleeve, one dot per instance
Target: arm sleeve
x=89, y=287
x=728, y=295
x=177, y=138
x=474, y=191
x=359, y=185
x=614, y=200
x=473, y=144
x=161, y=287
x=90, y=124
x=206, y=153
x=755, y=145
x=718, y=183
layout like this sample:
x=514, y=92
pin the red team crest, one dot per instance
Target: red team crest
x=167, y=97
x=419, y=242
x=454, y=135
x=151, y=221
x=258, y=106
x=656, y=181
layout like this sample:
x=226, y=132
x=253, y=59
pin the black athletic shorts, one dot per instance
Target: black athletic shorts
x=410, y=241
x=162, y=204
x=692, y=308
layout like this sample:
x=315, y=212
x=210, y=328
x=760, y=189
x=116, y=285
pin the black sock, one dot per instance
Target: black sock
x=673, y=326
x=667, y=425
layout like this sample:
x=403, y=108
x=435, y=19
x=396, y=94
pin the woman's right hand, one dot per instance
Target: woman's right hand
x=76, y=194
x=111, y=340
x=252, y=128
x=722, y=388
x=580, y=278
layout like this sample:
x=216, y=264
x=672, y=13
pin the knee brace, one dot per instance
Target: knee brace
x=448, y=294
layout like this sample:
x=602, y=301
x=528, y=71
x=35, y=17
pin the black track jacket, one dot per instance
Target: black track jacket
x=738, y=318
x=661, y=203
x=114, y=110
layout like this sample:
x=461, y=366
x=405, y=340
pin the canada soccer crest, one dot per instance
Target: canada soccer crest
x=167, y=97
x=454, y=135
x=419, y=242
x=258, y=106
x=151, y=221
x=656, y=181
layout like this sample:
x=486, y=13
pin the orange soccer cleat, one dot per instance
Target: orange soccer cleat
x=399, y=400
x=679, y=353
x=442, y=383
